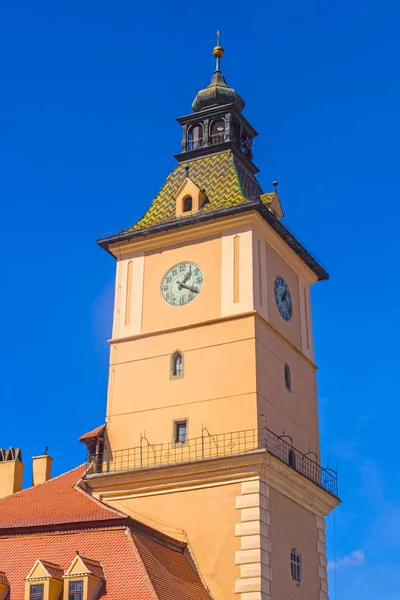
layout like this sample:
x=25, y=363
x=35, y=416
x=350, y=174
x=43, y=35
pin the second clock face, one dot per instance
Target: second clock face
x=182, y=283
x=283, y=298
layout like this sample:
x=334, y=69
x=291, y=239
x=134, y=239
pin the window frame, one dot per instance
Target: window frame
x=217, y=137
x=75, y=594
x=296, y=565
x=187, y=198
x=288, y=377
x=193, y=142
x=173, y=371
x=36, y=595
x=175, y=432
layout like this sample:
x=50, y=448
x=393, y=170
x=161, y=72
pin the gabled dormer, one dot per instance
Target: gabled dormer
x=44, y=581
x=84, y=579
x=189, y=198
x=217, y=122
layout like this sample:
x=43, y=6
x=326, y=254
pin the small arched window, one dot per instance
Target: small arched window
x=217, y=132
x=288, y=379
x=195, y=137
x=177, y=365
x=187, y=204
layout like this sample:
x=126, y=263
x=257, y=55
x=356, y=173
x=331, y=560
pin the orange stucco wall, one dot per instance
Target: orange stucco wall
x=295, y=411
x=144, y=399
x=195, y=516
x=293, y=526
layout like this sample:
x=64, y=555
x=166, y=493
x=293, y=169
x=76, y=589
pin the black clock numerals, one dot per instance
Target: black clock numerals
x=283, y=298
x=182, y=284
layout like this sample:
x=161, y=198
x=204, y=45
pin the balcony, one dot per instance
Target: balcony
x=210, y=446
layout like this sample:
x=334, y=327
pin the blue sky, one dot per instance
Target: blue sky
x=90, y=92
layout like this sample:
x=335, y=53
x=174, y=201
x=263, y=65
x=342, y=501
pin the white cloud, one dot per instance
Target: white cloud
x=354, y=559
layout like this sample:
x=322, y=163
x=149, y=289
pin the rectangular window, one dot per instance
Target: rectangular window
x=295, y=564
x=36, y=592
x=75, y=590
x=180, y=431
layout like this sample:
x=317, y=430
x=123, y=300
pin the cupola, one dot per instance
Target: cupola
x=217, y=123
x=217, y=93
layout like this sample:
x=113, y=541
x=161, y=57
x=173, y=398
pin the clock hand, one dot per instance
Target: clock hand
x=188, y=287
x=187, y=276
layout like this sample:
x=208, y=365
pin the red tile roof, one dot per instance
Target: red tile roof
x=3, y=578
x=125, y=575
x=93, y=566
x=55, y=571
x=55, y=502
x=92, y=434
x=171, y=572
x=55, y=520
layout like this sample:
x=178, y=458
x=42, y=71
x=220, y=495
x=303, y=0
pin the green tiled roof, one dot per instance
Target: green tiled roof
x=223, y=178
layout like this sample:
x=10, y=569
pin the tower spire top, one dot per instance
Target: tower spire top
x=217, y=92
x=218, y=52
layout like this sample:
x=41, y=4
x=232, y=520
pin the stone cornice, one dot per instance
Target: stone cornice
x=213, y=472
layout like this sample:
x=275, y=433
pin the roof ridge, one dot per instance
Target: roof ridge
x=143, y=567
x=138, y=527
x=78, y=488
x=89, y=560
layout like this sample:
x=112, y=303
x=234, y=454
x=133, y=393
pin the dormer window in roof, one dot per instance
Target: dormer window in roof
x=84, y=579
x=187, y=204
x=44, y=581
x=189, y=198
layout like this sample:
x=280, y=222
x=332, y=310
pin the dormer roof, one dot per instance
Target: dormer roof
x=85, y=566
x=46, y=569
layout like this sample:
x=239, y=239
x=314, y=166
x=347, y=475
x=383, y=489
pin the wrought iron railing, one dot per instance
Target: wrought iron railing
x=194, y=144
x=209, y=446
x=217, y=138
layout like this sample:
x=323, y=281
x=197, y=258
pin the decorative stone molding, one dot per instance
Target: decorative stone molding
x=322, y=562
x=253, y=529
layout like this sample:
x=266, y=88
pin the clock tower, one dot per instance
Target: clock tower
x=211, y=430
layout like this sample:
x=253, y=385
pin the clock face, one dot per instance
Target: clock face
x=182, y=284
x=283, y=298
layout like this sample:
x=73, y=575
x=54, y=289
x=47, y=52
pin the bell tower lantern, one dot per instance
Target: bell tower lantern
x=217, y=123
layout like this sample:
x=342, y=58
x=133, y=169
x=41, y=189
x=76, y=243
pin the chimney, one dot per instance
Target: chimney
x=41, y=468
x=11, y=471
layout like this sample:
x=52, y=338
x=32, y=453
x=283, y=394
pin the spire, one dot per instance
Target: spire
x=218, y=52
x=217, y=92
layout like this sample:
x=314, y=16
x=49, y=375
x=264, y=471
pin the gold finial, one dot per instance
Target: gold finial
x=218, y=51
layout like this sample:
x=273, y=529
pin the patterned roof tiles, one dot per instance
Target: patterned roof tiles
x=55, y=571
x=93, y=566
x=223, y=177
